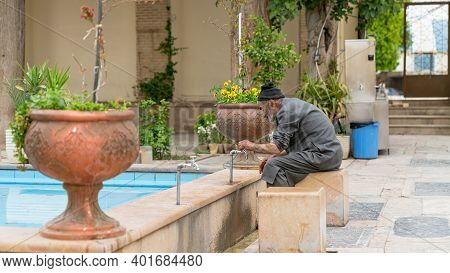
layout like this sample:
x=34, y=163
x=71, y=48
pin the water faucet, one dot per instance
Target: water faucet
x=233, y=154
x=191, y=164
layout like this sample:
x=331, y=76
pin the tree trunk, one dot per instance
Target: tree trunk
x=261, y=9
x=12, y=55
x=319, y=58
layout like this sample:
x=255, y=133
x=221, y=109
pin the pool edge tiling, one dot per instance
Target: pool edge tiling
x=155, y=224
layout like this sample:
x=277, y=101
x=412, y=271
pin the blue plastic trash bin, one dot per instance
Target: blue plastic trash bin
x=364, y=140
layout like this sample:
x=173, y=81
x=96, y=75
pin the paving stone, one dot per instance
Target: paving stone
x=432, y=189
x=424, y=247
x=421, y=227
x=436, y=206
x=401, y=207
x=365, y=189
x=349, y=237
x=365, y=211
x=430, y=162
x=380, y=237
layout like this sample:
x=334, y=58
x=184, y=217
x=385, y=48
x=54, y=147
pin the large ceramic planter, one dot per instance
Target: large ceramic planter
x=243, y=121
x=82, y=149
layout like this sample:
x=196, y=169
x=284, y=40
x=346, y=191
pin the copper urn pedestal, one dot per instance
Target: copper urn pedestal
x=243, y=121
x=83, y=149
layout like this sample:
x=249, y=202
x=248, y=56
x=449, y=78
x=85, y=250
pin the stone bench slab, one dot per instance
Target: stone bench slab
x=335, y=184
x=292, y=220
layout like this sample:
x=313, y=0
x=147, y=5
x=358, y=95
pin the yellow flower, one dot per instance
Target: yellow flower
x=254, y=90
x=235, y=87
x=229, y=81
x=223, y=92
x=225, y=84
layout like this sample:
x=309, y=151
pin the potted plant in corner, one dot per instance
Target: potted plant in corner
x=82, y=143
x=329, y=96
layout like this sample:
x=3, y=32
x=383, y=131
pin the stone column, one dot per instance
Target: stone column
x=12, y=55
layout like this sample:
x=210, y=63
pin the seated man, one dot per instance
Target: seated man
x=304, y=140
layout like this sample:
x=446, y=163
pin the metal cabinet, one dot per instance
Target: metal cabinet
x=365, y=105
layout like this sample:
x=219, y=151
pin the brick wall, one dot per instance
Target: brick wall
x=150, y=22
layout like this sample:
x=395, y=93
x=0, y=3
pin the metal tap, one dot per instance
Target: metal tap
x=191, y=164
x=233, y=153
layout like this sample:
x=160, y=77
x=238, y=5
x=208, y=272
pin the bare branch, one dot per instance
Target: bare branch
x=83, y=73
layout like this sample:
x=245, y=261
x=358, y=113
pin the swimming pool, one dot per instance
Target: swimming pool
x=30, y=199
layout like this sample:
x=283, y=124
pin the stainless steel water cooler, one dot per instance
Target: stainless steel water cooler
x=367, y=103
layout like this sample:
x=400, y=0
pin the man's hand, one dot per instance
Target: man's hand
x=246, y=145
x=263, y=163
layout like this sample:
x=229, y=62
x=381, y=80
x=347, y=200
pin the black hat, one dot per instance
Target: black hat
x=269, y=92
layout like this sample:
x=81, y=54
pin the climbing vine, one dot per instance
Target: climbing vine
x=161, y=86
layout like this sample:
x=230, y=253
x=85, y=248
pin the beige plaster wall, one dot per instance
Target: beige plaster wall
x=206, y=59
x=54, y=31
x=290, y=83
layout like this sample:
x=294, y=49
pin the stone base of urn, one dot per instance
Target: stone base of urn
x=83, y=219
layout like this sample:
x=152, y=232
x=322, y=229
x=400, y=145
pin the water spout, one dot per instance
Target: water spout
x=233, y=154
x=192, y=164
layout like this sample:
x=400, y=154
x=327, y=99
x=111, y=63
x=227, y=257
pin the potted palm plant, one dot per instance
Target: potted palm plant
x=329, y=96
x=19, y=91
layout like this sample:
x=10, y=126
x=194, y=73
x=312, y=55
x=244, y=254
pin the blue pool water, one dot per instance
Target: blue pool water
x=30, y=199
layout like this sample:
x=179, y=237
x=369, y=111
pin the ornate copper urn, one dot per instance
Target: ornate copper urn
x=82, y=149
x=243, y=121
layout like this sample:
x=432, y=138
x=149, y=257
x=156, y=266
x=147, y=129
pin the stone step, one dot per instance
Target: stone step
x=421, y=102
x=430, y=110
x=419, y=119
x=415, y=129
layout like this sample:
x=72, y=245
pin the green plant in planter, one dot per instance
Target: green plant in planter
x=51, y=94
x=235, y=92
x=20, y=90
x=206, y=129
x=329, y=95
x=154, y=130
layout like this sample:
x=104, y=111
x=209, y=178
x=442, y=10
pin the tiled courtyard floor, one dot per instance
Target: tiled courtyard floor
x=399, y=202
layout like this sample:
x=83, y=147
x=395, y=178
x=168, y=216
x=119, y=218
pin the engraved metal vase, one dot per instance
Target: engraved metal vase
x=243, y=121
x=82, y=149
